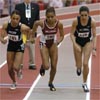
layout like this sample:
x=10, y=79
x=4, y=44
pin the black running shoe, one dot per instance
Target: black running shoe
x=52, y=88
x=42, y=71
x=85, y=88
x=78, y=71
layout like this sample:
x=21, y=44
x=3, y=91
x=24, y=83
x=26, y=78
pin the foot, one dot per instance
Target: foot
x=78, y=71
x=32, y=66
x=52, y=88
x=19, y=74
x=42, y=71
x=13, y=86
x=85, y=88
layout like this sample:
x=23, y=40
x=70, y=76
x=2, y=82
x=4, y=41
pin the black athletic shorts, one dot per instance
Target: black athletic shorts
x=16, y=46
x=82, y=41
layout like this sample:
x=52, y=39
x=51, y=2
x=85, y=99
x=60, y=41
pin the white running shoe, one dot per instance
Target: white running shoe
x=13, y=86
x=85, y=87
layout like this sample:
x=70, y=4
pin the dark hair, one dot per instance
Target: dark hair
x=83, y=8
x=50, y=9
x=15, y=12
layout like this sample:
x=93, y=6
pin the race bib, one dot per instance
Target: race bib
x=83, y=35
x=49, y=37
x=13, y=37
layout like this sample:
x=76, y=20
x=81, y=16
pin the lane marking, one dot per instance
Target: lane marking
x=32, y=87
x=38, y=78
x=89, y=76
x=89, y=79
x=7, y=84
x=1, y=65
x=34, y=82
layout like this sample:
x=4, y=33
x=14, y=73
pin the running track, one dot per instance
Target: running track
x=30, y=76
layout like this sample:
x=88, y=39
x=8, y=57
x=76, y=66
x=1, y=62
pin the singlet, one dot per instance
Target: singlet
x=14, y=33
x=15, y=43
x=83, y=33
x=49, y=34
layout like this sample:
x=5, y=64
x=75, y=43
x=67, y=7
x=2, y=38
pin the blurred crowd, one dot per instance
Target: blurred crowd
x=7, y=6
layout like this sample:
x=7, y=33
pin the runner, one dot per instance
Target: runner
x=49, y=42
x=15, y=47
x=83, y=36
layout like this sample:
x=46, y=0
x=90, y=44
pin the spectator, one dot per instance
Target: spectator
x=80, y=2
x=67, y=3
x=41, y=4
x=29, y=14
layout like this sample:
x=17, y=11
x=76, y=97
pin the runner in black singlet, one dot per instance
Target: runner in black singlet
x=15, y=47
x=83, y=36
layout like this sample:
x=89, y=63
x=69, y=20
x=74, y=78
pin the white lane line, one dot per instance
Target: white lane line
x=89, y=79
x=32, y=87
x=38, y=78
x=1, y=65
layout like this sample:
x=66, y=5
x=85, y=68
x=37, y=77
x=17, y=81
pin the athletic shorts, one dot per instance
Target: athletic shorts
x=82, y=41
x=18, y=46
x=48, y=43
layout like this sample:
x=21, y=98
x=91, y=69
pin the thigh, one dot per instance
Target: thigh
x=18, y=59
x=10, y=59
x=87, y=49
x=45, y=55
x=54, y=54
x=78, y=57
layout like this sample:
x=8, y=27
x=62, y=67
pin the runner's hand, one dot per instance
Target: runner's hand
x=4, y=41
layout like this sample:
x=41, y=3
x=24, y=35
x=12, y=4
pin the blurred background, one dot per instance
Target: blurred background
x=7, y=6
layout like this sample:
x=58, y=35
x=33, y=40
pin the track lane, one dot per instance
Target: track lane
x=38, y=62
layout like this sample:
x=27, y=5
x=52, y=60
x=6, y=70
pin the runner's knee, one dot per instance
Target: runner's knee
x=46, y=67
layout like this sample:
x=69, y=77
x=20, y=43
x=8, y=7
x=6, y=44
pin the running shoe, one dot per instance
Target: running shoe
x=78, y=71
x=85, y=87
x=52, y=88
x=42, y=71
x=32, y=66
x=19, y=74
x=13, y=86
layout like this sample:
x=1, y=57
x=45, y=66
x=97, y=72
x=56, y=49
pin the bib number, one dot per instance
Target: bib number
x=83, y=35
x=13, y=37
x=49, y=37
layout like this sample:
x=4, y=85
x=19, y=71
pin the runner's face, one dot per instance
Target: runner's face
x=15, y=19
x=50, y=17
x=84, y=15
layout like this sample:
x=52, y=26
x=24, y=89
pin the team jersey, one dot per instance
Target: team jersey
x=49, y=34
x=15, y=42
x=83, y=33
x=14, y=33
